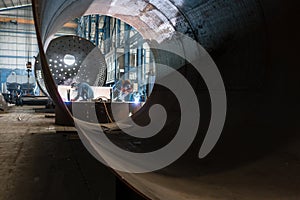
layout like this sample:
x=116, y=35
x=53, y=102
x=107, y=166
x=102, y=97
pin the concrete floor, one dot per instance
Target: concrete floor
x=39, y=160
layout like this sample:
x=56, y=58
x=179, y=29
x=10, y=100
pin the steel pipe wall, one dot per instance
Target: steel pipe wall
x=250, y=51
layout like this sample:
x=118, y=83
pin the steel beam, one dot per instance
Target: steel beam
x=15, y=7
x=127, y=66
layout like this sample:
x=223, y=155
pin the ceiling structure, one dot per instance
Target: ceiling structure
x=10, y=4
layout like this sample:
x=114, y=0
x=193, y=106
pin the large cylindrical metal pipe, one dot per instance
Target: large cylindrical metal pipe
x=240, y=36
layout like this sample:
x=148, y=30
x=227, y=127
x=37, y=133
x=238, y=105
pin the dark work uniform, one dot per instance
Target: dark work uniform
x=84, y=91
x=19, y=101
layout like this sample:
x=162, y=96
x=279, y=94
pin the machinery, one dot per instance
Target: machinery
x=3, y=103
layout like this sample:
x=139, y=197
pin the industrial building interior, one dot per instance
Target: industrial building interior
x=81, y=82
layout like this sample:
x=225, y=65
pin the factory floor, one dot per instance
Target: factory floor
x=39, y=160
